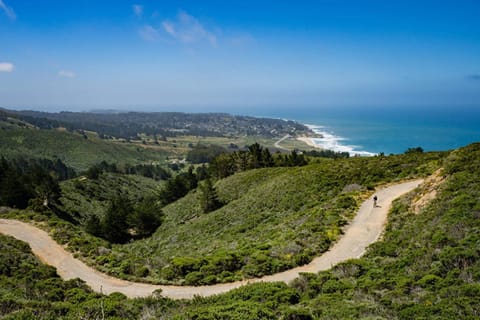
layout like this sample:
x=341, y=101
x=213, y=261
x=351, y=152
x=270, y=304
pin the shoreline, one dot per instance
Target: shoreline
x=329, y=141
x=309, y=141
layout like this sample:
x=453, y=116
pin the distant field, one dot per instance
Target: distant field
x=180, y=145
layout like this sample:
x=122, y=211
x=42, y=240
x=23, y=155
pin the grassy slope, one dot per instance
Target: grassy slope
x=426, y=267
x=73, y=149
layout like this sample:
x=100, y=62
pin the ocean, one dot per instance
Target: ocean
x=369, y=131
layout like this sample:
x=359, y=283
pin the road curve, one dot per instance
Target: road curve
x=277, y=144
x=364, y=229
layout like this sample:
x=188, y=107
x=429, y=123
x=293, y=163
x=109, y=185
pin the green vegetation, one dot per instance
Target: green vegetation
x=201, y=153
x=75, y=150
x=33, y=182
x=254, y=157
x=123, y=221
x=263, y=226
x=155, y=172
x=414, y=150
x=31, y=290
x=327, y=154
x=427, y=266
x=82, y=197
x=264, y=214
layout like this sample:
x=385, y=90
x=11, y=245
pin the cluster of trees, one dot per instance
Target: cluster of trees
x=155, y=172
x=254, y=157
x=221, y=166
x=124, y=221
x=179, y=185
x=201, y=153
x=33, y=182
x=414, y=150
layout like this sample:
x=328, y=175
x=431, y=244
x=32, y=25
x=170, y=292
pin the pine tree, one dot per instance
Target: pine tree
x=208, y=197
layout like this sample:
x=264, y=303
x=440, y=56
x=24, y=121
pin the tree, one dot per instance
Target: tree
x=208, y=197
x=146, y=218
x=414, y=150
x=256, y=152
x=46, y=188
x=174, y=189
x=93, y=225
x=114, y=225
x=267, y=158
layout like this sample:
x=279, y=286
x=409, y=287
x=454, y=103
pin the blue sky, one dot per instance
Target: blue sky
x=229, y=55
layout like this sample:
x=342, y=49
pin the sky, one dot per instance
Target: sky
x=221, y=55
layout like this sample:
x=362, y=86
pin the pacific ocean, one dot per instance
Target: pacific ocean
x=370, y=130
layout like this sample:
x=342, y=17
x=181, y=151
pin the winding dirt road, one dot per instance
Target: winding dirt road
x=365, y=229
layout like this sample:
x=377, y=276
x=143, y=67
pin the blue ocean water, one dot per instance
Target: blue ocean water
x=367, y=131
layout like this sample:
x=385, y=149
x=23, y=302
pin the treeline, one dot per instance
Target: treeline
x=155, y=172
x=254, y=157
x=327, y=154
x=33, y=182
x=222, y=166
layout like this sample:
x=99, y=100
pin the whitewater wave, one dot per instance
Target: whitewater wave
x=335, y=143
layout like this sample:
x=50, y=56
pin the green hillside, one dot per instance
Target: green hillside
x=272, y=219
x=427, y=266
x=77, y=151
x=82, y=196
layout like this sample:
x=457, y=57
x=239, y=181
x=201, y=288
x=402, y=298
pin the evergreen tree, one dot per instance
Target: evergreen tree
x=146, y=218
x=256, y=155
x=208, y=197
x=114, y=225
x=267, y=158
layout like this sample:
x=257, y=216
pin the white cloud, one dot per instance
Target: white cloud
x=137, y=9
x=148, y=33
x=66, y=74
x=187, y=29
x=8, y=10
x=6, y=66
x=169, y=28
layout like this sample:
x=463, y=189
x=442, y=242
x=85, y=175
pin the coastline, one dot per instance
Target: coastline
x=329, y=141
x=309, y=141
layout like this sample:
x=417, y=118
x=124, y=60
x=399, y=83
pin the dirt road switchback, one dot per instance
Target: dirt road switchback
x=364, y=229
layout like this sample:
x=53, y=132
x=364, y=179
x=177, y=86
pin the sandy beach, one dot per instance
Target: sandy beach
x=309, y=142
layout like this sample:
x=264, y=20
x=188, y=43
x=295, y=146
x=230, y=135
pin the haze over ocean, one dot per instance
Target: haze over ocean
x=388, y=130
